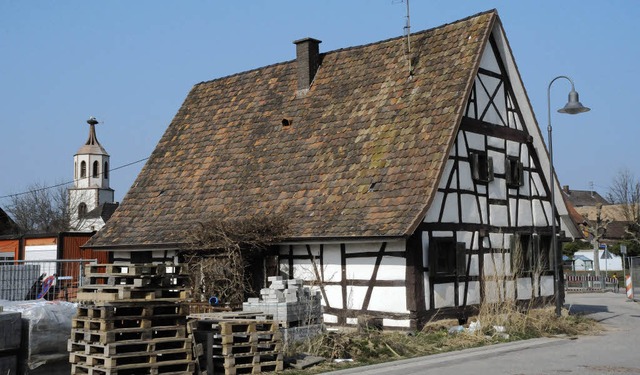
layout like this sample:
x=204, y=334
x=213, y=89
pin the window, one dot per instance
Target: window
x=82, y=210
x=96, y=165
x=531, y=253
x=83, y=169
x=481, y=166
x=447, y=257
x=106, y=170
x=514, y=172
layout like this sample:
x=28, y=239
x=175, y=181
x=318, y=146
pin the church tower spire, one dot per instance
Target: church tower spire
x=91, y=189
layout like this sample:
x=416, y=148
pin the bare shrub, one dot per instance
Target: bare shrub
x=218, y=252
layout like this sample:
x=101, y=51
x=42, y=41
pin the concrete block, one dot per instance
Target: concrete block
x=10, y=330
x=9, y=364
x=274, y=278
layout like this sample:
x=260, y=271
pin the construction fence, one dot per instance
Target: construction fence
x=24, y=280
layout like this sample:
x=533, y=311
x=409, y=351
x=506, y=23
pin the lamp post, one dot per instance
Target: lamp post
x=573, y=107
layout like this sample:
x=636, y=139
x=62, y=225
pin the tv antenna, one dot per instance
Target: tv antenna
x=407, y=34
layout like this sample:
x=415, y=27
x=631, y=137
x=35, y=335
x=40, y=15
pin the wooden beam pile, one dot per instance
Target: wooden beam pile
x=238, y=343
x=132, y=319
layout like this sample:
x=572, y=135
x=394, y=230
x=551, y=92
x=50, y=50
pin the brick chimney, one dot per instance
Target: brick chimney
x=308, y=59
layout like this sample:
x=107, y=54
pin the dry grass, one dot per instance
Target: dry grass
x=374, y=346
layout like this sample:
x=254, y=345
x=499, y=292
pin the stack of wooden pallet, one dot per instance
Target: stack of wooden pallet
x=131, y=320
x=238, y=343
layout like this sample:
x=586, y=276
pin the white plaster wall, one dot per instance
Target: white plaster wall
x=524, y=288
x=546, y=286
x=475, y=141
x=403, y=323
x=524, y=213
x=499, y=215
x=433, y=214
x=389, y=298
x=473, y=293
x=334, y=295
x=493, y=141
x=355, y=297
x=447, y=171
x=470, y=209
x=330, y=318
x=466, y=181
x=332, y=265
x=496, y=264
x=303, y=269
x=450, y=214
x=427, y=288
x=443, y=295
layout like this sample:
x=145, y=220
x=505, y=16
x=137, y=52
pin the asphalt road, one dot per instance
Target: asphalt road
x=615, y=351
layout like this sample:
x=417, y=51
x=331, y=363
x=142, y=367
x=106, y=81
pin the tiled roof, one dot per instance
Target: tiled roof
x=104, y=211
x=364, y=121
x=581, y=198
x=7, y=226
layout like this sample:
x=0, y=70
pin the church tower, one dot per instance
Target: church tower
x=91, y=192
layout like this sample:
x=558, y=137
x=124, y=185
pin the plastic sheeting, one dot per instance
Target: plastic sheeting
x=46, y=327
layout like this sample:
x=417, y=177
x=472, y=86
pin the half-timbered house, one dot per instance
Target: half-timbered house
x=413, y=180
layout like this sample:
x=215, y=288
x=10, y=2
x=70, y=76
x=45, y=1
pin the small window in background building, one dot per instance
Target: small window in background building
x=106, y=170
x=83, y=169
x=82, y=209
x=95, y=168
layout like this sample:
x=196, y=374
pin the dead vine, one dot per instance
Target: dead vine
x=217, y=254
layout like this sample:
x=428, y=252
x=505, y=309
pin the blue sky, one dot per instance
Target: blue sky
x=132, y=63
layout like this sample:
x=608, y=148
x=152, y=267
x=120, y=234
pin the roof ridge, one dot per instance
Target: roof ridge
x=352, y=47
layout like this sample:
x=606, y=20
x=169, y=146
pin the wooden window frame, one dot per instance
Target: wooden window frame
x=514, y=172
x=447, y=257
x=481, y=166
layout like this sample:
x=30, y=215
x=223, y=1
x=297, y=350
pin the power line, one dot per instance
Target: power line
x=69, y=182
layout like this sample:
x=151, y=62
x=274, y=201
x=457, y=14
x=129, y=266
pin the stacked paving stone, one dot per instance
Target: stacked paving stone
x=131, y=320
x=290, y=303
x=238, y=343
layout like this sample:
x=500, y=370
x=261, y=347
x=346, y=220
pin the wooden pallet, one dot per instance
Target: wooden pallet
x=127, y=294
x=164, y=368
x=127, y=334
x=130, y=359
x=133, y=269
x=139, y=310
x=90, y=324
x=129, y=347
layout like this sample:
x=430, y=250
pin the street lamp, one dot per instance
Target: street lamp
x=573, y=107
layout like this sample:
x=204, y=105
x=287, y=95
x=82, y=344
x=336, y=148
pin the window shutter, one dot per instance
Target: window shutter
x=507, y=171
x=461, y=261
x=520, y=173
x=475, y=166
x=489, y=169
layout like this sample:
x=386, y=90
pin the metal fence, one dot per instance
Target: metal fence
x=590, y=283
x=22, y=280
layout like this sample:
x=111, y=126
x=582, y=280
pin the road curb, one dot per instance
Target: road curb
x=437, y=360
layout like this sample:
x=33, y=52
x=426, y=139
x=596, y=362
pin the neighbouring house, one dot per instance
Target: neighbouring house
x=7, y=225
x=582, y=198
x=413, y=183
x=27, y=261
x=609, y=262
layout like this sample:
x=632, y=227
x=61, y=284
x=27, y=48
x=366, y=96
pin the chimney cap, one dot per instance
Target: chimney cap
x=304, y=40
